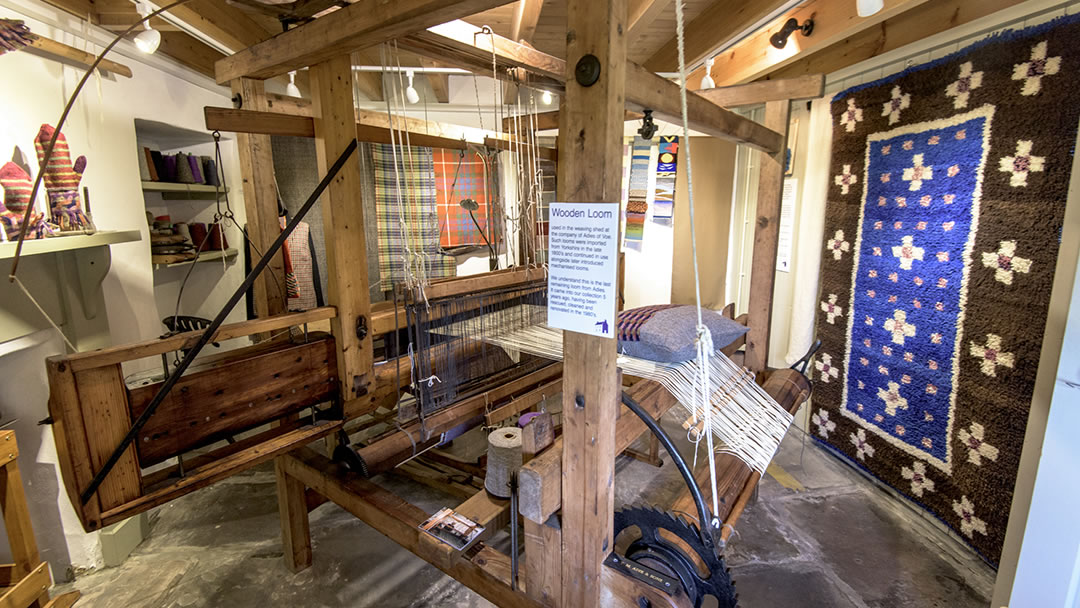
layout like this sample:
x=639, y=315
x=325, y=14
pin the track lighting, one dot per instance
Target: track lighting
x=149, y=39
x=865, y=8
x=291, y=89
x=707, y=82
x=410, y=92
x=546, y=98
x=779, y=39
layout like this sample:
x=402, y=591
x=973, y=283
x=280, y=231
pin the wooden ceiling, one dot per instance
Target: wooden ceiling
x=840, y=38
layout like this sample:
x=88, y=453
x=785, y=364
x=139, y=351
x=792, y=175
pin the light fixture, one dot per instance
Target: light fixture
x=410, y=93
x=865, y=8
x=648, y=127
x=291, y=88
x=707, y=82
x=149, y=39
x=546, y=98
x=779, y=39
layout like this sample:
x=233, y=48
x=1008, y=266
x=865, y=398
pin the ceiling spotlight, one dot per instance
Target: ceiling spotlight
x=707, y=82
x=410, y=92
x=865, y=8
x=291, y=89
x=546, y=98
x=779, y=39
x=149, y=39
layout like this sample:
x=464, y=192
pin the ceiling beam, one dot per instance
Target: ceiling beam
x=221, y=22
x=440, y=83
x=755, y=56
x=641, y=14
x=526, y=16
x=369, y=83
x=918, y=23
x=360, y=25
x=716, y=26
x=546, y=121
x=788, y=89
x=189, y=52
x=453, y=43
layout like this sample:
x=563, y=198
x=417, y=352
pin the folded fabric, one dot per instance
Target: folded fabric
x=668, y=332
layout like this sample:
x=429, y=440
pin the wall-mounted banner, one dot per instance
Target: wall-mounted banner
x=582, y=271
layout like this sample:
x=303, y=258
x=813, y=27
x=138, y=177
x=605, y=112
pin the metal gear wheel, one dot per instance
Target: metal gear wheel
x=659, y=553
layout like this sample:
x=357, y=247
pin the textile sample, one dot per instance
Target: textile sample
x=62, y=181
x=666, y=171
x=637, y=203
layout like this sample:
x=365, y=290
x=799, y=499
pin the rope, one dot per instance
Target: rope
x=43, y=313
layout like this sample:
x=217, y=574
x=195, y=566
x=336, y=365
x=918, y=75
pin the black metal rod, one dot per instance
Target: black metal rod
x=211, y=329
x=703, y=512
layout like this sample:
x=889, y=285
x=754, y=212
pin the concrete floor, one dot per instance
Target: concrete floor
x=826, y=536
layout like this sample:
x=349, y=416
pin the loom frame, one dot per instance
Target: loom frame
x=564, y=561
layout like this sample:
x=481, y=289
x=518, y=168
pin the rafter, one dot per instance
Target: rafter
x=360, y=25
x=526, y=16
x=788, y=89
x=440, y=83
x=189, y=52
x=641, y=15
x=226, y=24
x=834, y=20
x=717, y=26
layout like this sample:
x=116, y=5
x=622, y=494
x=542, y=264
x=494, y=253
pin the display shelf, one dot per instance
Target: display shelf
x=206, y=256
x=67, y=243
x=171, y=191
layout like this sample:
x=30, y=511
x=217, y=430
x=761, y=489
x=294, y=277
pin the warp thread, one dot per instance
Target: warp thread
x=504, y=460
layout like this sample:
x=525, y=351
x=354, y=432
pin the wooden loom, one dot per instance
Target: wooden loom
x=92, y=408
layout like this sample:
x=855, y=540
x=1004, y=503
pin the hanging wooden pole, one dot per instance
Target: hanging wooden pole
x=590, y=168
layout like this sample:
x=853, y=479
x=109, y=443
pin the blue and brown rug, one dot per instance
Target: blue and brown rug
x=945, y=207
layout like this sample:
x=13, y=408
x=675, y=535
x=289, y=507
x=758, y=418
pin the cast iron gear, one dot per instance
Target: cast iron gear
x=654, y=551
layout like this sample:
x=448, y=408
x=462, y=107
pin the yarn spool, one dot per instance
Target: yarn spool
x=504, y=460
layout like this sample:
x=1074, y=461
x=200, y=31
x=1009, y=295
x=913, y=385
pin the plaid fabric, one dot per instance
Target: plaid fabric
x=460, y=175
x=630, y=321
x=666, y=168
x=416, y=243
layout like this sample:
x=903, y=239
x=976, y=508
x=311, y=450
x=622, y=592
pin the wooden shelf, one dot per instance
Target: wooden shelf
x=170, y=191
x=67, y=243
x=206, y=256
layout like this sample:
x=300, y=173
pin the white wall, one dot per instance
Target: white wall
x=101, y=128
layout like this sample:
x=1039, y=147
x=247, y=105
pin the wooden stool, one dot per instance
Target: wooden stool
x=26, y=582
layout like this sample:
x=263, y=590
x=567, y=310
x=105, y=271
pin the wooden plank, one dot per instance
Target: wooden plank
x=834, y=20
x=69, y=435
x=590, y=166
x=718, y=25
x=28, y=590
x=483, y=282
x=20, y=530
x=546, y=121
x=113, y=355
x=241, y=394
x=540, y=483
x=920, y=22
x=526, y=16
x=287, y=104
x=343, y=226
x=523, y=402
x=543, y=561
x=293, y=511
x=641, y=14
x=9, y=450
x=254, y=121
x=536, y=436
x=222, y=22
x=261, y=203
x=190, y=52
x=457, y=44
x=398, y=520
x=105, y=416
x=220, y=469
x=811, y=86
x=58, y=49
x=66, y=600
x=511, y=144
x=359, y=25
x=766, y=237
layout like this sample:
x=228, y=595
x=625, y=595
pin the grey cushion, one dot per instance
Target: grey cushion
x=667, y=333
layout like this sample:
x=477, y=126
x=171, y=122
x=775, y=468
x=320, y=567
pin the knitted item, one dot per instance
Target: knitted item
x=17, y=188
x=62, y=181
x=13, y=35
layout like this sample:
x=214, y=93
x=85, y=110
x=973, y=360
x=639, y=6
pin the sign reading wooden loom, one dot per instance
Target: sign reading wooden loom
x=582, y=267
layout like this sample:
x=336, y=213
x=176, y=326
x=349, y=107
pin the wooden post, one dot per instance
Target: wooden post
x=766, y=235
x=260, y=202
x=543, y=562
x=590, y=166
x=343, y=220
x=292, y=508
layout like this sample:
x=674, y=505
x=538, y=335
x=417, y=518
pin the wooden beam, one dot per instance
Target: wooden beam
x=641, y=15
x=718, y=25
x=590, y=166
x=511, y=143
x=543, y=561
x=343, y=224
x=440, y=86
x=801, y=87
x=189, y=52
x=755, y=56
x=453, y=43
x=293, y=511
x=63, y=51
x=545, y=121
x=360, y=25
x=766, y=237
x=908, y=27
x=226, y=24
x=526, y=16
x=261, y=203
x=370, y=84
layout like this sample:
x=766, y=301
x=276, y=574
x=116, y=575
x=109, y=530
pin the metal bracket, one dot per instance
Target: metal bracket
x=641, y=573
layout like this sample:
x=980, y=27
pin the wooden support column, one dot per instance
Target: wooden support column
x=343, y=220
x=766, y=235
x=590, y=166
x=543, y=561
x=293, y=511
x=260, y=202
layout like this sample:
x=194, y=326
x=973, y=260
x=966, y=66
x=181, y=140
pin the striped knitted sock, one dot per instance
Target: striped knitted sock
x=17, y=187
x=62, y=180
